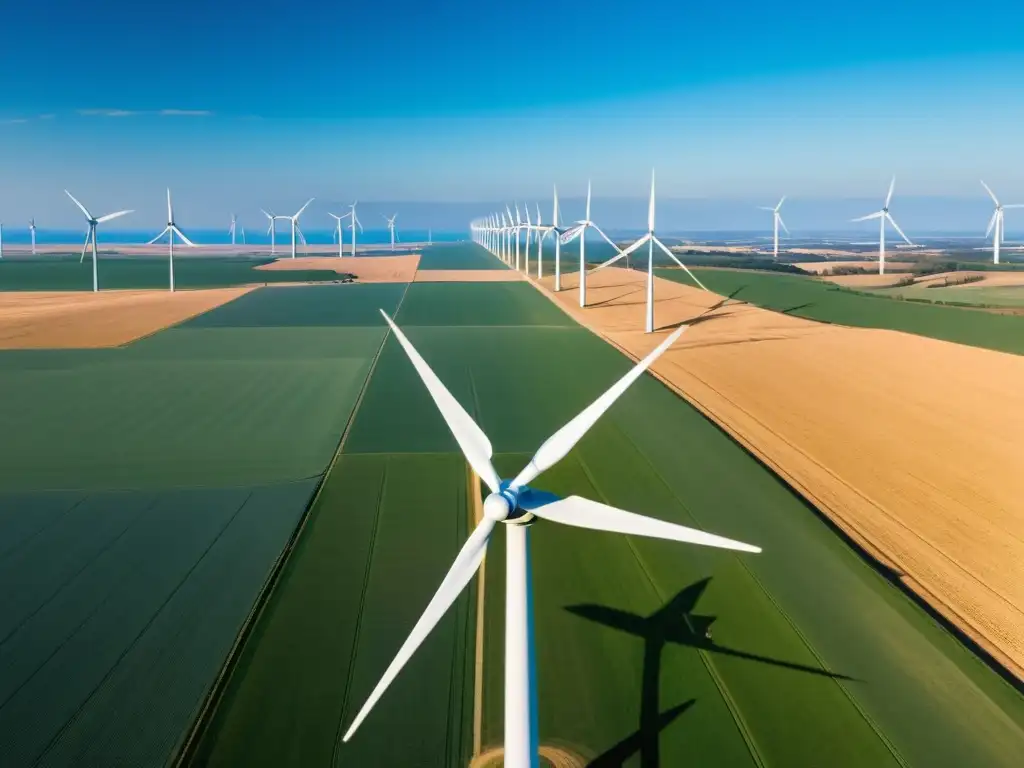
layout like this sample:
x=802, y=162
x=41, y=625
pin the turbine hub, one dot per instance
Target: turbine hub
x=498, y=507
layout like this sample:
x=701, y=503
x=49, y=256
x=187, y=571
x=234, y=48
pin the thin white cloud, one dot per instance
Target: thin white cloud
x=13, y=120
x=107, y=112
x=185, y=112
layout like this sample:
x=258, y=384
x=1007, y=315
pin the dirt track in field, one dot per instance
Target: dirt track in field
x=910, y=444
x=367, y=269
x=37, y=320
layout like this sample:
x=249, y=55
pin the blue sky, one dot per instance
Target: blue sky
x=240, y=105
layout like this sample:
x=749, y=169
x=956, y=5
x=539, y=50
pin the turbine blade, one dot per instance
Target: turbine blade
x=184, y=239
x=650, y=207
x=170, y=211
x=781, y=201
x=82, y=207
x=588, y=200
x=897, y=227
x=162, y=233
x=888, y=197
x=584, y=513
x=554, y=213
x=623, y=254
x=606, y=238
x=466, y=564
x=874, y=215
x=296, y=216
x=782, y=223
x=471, y=439
x=677, y=261
x=559, y=444
x=990, y=193
x=992, y=222
x=268, y=215
x=110, y=216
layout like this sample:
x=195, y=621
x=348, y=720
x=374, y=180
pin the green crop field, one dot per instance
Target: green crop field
x=818, y=300
x=458, y=256
x=815, y=658
x=996, y=296
x=147, y=493
x=61, y=273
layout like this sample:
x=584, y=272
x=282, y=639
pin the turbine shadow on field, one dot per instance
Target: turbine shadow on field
x=673, y=623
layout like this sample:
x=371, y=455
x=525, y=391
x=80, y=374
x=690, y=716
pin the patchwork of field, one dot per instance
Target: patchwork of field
x=818, y=300
x=814, y=658
x=458, y=256
x=936, y=500
x=34, y=320
x=367, y=269
x=826, y=267
x=55, y=273
x=146, y=494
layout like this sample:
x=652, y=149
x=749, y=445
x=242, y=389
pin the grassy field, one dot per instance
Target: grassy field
x=819, y=300
x=995, y=296
x=458, y=256
x=624, y=667
x=148, y=491
x=61, y=273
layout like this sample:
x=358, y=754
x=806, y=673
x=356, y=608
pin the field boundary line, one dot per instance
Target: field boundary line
x=477, y=513
x=184, y=750
x=847, y=530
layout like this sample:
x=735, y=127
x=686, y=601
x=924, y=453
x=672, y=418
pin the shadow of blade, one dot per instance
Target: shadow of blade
x=635, y=742
x=725, y=651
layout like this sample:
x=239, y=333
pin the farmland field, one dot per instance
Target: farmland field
x=62, y=273
x=818, y=300
x=147, y=493
x=458, y=256
x=898, y=689
x=993, y=296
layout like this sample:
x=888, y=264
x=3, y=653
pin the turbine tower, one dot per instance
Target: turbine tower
x=884, y=216
x=295, y=223
x=91, y=234
x=776, y=222
x=235, y=227
x=391, y=229
x=32, y=232
x=171, y=230
x=997, y=223
x=651, y=240
x=558, y=243
x=338, y=231
x=515, y=504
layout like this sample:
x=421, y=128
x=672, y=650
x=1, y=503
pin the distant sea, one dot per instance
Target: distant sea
x=220, y=237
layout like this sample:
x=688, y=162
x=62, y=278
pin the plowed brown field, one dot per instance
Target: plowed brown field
x=910, y=444
x=35, y=320
x=368, y=269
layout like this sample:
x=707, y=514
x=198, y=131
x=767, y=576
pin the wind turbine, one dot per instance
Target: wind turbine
x=171, y=230
x=558, y=243
x=1, y=240
x=518, y=228
x=517, y=505
x=272, y=229
x=338, y=232
x=580, y=231
x=391, y=228
x=353, y=222
x=528, y=226
x=542, y=232
x=295, y=222
x=883, y=216
x=32, y=232
x=651, y=240
x=91, y=234
x=776, y=221
x=235, y=226
x=997, y=223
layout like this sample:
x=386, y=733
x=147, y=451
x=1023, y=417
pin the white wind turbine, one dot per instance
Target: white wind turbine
x=235, y=228
x=528, y=228
x=651, y=240
x=1, y=240
x=883, y=216
x=272, y=229
x=338, y=231
x=580, y=231
x=776, y=222
x=353, y=223
x=295, y=224
x=91, y=234
x=32, y=232
x=997, y=223
x=391, y=229
x=517, y=229
x=542, y=232
x=517, y=505
x=171, y=230
x=558, y=243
